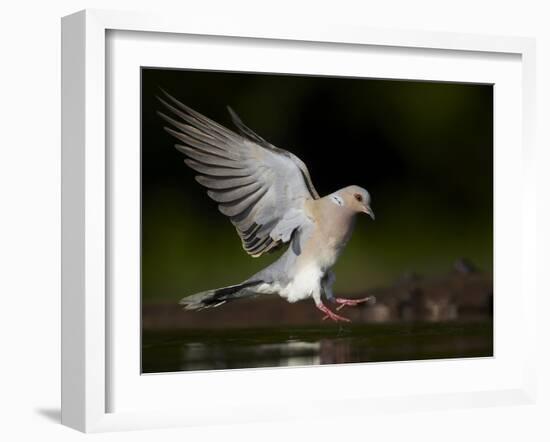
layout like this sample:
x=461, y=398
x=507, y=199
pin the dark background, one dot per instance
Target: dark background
x=424, y=151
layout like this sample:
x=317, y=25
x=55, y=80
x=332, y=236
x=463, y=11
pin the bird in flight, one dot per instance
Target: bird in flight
x=267, y=194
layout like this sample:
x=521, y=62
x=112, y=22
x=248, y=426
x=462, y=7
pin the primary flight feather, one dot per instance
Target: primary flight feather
x=268, y=195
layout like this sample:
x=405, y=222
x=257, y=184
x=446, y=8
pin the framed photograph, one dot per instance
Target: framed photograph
x=268, y=222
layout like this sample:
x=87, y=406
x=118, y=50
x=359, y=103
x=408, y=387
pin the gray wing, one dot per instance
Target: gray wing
x=261, y=188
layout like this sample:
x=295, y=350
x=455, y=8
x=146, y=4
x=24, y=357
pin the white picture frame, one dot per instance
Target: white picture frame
x=87, y=319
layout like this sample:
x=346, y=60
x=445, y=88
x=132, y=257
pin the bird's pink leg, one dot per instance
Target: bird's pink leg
x=351, y=302
x=330, y=314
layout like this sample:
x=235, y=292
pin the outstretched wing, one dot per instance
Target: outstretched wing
x=261, y=188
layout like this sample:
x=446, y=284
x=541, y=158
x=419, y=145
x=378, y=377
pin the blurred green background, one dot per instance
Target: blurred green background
x=424, y=151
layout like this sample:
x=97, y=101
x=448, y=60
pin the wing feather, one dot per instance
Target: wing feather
x=234, y=194
x=260, y=187
x=212, y=160
x=208, y=169
x=236, y=208
x=197, y=120
x=226, y=183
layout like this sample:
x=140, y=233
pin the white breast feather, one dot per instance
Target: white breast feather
x=302, y=286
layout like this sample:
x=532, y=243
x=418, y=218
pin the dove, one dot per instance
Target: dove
x=268, y=195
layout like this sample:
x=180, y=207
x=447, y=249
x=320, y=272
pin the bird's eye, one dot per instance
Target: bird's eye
x=358, y=197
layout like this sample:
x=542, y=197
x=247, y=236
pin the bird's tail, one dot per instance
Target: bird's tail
x=217, y=297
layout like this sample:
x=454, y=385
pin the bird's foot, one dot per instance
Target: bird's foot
x=352, y=302
x=331, y=315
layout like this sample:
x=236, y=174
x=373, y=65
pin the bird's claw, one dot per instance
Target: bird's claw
x=324, y=318
x=336, y=318
x=351, y=302
x=331, y=315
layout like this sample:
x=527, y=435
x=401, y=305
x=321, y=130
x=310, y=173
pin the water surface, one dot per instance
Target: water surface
x=185, y=350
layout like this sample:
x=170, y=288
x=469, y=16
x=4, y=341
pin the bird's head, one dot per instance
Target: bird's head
x=356, y=199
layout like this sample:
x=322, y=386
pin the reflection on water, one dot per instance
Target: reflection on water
x=200, y=355
x=250, y=348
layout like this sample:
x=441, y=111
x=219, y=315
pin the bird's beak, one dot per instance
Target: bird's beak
x=368, y=211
